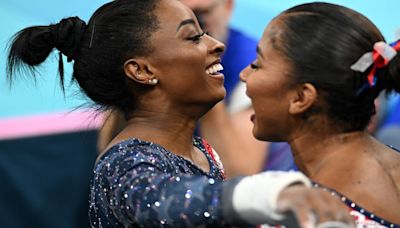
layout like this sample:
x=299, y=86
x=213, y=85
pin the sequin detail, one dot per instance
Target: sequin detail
x=362, y=217
x=141, y=184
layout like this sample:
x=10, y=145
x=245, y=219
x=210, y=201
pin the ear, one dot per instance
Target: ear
x=305, y=97
x=138, y=70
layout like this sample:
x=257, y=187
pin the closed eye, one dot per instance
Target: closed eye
x=254, y=66
x=196, y=38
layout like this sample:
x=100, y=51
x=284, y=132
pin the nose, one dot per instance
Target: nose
x=217, y=47
x=244, y=74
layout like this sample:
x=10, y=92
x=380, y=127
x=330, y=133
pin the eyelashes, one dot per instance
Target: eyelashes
x=254, y=66
x=197, y=38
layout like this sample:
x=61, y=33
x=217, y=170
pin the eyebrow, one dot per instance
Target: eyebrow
x=185, y=22
x=258, y=50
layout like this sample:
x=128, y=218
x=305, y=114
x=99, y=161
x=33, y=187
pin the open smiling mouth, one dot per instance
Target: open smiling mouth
x=214, y=70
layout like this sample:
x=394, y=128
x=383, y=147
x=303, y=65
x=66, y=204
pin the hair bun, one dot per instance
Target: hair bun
x=67, y=35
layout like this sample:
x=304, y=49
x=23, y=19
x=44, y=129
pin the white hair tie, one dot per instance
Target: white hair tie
x=379, y=57
x=381, y=49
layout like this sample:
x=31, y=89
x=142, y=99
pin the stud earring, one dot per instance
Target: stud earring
x=153, y=81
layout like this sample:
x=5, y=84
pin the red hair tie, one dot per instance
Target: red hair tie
x=380, y=57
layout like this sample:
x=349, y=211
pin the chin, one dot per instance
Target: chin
x=216, y=101
x=222, y=93
x=259, y=137
x=212, y=101
x=219, y=97
x=268, y=138
x=262, y=136
x=257, y=134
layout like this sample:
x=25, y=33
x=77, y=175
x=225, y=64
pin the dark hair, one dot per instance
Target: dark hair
x=117, y=31
x=322, y=41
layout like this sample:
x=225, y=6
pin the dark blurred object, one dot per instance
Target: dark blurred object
x=200, y=18
x=45, y=180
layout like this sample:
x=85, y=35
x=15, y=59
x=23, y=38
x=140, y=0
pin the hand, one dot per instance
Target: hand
x=312, y=206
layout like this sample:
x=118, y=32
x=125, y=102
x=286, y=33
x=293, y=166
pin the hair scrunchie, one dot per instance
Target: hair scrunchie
x=67, y=35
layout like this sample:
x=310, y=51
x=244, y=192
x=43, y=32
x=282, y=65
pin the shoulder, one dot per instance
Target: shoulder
x=127, y=154
x=362, y=216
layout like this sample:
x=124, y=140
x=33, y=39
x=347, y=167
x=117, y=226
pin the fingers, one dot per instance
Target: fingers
x=302, y=212
x=314, y=206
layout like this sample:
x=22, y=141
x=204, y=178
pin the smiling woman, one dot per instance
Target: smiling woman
x=151, y=60
x=318, y=70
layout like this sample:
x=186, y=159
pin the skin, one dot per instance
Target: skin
x=368, y=172
x=167, y=114
x=229, y=133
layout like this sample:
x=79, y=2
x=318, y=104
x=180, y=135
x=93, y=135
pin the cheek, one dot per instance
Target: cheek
x=187, y=59
x=183, y=63
x=256, y=88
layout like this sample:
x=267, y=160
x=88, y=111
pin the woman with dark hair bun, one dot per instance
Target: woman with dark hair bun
x=151, y=60
x=318, y=70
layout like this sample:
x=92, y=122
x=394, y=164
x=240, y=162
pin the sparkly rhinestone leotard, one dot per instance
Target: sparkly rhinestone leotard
x=362, y=217
x=141, y=184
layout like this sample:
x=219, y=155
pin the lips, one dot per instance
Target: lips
x=214, y=70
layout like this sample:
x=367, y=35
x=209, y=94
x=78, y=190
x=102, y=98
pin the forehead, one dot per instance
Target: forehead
x=273, y=34
x=171, y=12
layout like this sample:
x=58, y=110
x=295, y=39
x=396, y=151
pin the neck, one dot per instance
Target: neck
x=315, y=153
x=172, y=131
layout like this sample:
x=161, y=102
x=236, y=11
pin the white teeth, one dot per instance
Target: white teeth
x=214, y=68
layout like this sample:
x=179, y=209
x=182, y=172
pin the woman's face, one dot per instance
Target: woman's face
x=267, y=86
x=186, y=61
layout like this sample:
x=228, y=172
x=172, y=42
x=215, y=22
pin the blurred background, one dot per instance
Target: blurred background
x=48, y=139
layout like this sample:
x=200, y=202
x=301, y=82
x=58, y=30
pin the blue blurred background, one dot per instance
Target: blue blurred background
x=45, y=173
